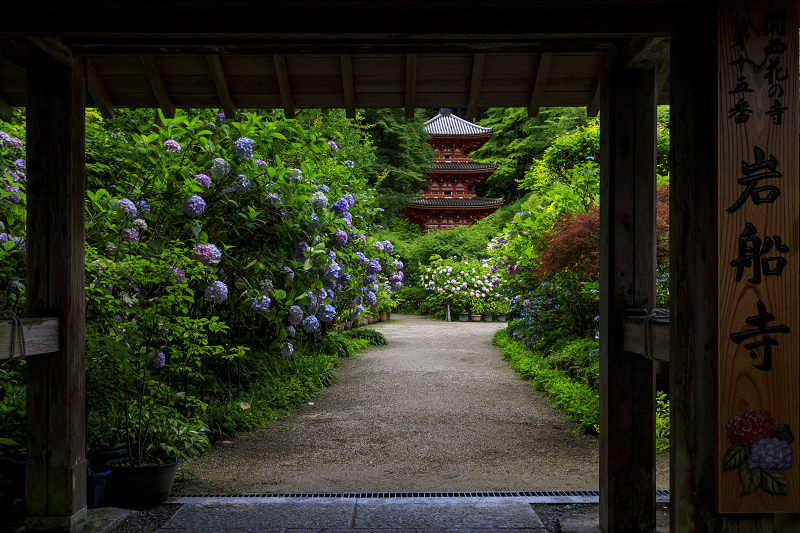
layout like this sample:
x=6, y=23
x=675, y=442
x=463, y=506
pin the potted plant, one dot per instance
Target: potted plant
x=477, y=307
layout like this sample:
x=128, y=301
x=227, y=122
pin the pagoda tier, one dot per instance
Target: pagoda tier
x=450, y=199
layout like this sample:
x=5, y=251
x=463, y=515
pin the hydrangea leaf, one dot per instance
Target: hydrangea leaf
x=750, y=479
x=783, y=432
x=280, y=295
x=774, y=482
x=736, y=456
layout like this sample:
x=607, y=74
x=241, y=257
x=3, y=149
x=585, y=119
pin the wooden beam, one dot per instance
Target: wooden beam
x=41, y=336
x=593, y=107
x=633, y=337
x=627, y=280
x=411, y=84
x=475, y=85
x=662, y=76
x=221, y=81
x=6, y=112
x=55, y=479
x=157, y=84
x=98, y=92
x=644, y=52
x=347, y=85
x=283, y=83
x=538, y=85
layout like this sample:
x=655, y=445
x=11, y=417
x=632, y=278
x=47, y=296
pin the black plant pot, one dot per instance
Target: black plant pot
x=96, y=486
x=140, y=486
x=101, y=458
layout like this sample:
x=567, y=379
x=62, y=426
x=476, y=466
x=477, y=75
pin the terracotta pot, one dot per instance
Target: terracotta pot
x=476, y=318
x=382, y=317
x=369, y=320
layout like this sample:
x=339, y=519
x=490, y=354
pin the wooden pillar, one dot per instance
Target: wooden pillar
x=627, y=280
x=56, y=463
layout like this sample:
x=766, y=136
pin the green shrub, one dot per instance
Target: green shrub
x=374, y=337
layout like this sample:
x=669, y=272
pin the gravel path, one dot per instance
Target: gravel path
x=438, y=409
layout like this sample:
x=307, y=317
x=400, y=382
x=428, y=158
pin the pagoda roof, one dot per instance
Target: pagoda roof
x=455, y=202
x=446, y=166
x=449, y=125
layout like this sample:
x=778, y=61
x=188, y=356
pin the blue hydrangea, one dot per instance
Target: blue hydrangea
x=361, y=258
x=363, y=239
x=332, y=145
x=274, y=198
x=360, y=308
x=217, y=292
x=219, y=168
x=349, y=164
x=770, y=454
x=267, y=286
x=370, y=298
x=142, y=207
x=310, y=324
x=324, y=188
x=373, y=266
x=241, y=185
x=157, y=359
x=397, y=264
x=216, y=251
x=295, y=175
x=340, y=237
x=387, y=247
x=295, y=315
x=327, y=313
x=347, y=218
x=244, y=147
x=261, y=304
x=369, y=278
x=19, y=164
x=193, y=206
x=203, y=180
x=319, y=200
x=378, y=245
x=313, y=302
x=340, y=206
x=128, y=207
x=350, y=200
x=221, y=117
x=291, y=331
x=287, y=350
x=288, y=273
x=332, y=271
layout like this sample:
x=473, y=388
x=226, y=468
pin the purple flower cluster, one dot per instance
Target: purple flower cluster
x=13, y=198
x=261, y=162
x=324, y=188
x=340, y=206
x=340, y=237
x=180, y=274
x=221, y=117
x=373, y=266
x=332, y=146
x=203, y=180
x=347, y=218
x=369, y=279
x=319, y=200
x=19, y=241
x=360, y=257
x=261, y=304
x=203, y=253
x=291, y=331
x=288, y=273
x=217, y=292
x=287, y=350
x=295, y=175
x=193, y=206
x=157, y=359
x=770, y=454
x=172, y=146
x=19, y=164
x=370, y=298
x=378, y=245
x=128, y=207
x=310, y=324
x=244, y=147
x=7, y=140
x=220, y=168
x=295, y=315
x=327, y=313
x=143, y=206
x=349, y=164
x=129, y=235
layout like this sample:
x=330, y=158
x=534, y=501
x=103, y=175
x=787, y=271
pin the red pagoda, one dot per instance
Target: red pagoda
x=450, y=198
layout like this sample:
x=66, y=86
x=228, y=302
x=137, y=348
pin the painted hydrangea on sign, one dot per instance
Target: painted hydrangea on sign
x=760, y=450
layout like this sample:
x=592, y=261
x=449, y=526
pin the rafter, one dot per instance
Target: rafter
x=157, y=84
x=662, y=76
x=98, y=92
x=347, y=85
x=644, y=52
x=283, y=84
x=593, y=106
x=5, y=109
x=475, y=84
x=411, y=84
x=538, y=86
x=221, y=81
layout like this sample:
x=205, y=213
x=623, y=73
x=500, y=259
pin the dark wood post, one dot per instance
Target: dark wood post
x=627, y=280
x=56, y=465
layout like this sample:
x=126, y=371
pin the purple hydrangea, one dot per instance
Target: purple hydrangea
x=347, y=218
x=363, y=239
x=261, y=162
x=157, y=359
x=242, y=185
x=267, y=286
x=397, y=264
x=221, y=117
x=340, y=237
x=310, y=324
x=327, y=313
x=261, y=304
x=140, y=223
x=360, y=308
x=324, y=188
x=396, y=285
x=770, y=454
x=216, y=251
x=193, y=206
x=129, y=235
x=274, y=198
x=203, y=180
x=373, y=266
x=5, y=138
x=387, y=247
x=142, y=206
x=291, y=331
x=217, y=292
x=13, y=198
x=340, y=206
x=295, y=175
x=349, y=199
x=19, y=164
x=370, y=298
x=361, y=258
x=180, y=274
x=397, y=278
x=295, y=315
x=288, y=273
x=332, y=146
x=369, y=279
x=220, y=168
x=313, y=302
x=128, y=207
x=172, y=146
x=203, y=253
x=378, y=245
x=244, y=147
x=287, y=350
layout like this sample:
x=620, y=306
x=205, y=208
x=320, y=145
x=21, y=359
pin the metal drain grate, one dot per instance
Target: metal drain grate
x=536, y=496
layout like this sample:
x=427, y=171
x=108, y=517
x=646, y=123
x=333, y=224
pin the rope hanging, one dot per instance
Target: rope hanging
x=16, y=333
x=659, y=315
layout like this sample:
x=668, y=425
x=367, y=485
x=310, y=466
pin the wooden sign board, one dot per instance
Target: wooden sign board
x=758, y=333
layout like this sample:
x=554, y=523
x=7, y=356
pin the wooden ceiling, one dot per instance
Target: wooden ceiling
x=350, y=54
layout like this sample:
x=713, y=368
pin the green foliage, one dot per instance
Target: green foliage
x=336, y=344
x=12, y=411
x=579, y=401
x=374, y=337
x=662, y=422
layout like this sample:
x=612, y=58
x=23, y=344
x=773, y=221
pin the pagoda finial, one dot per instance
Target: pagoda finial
x=445, y=111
